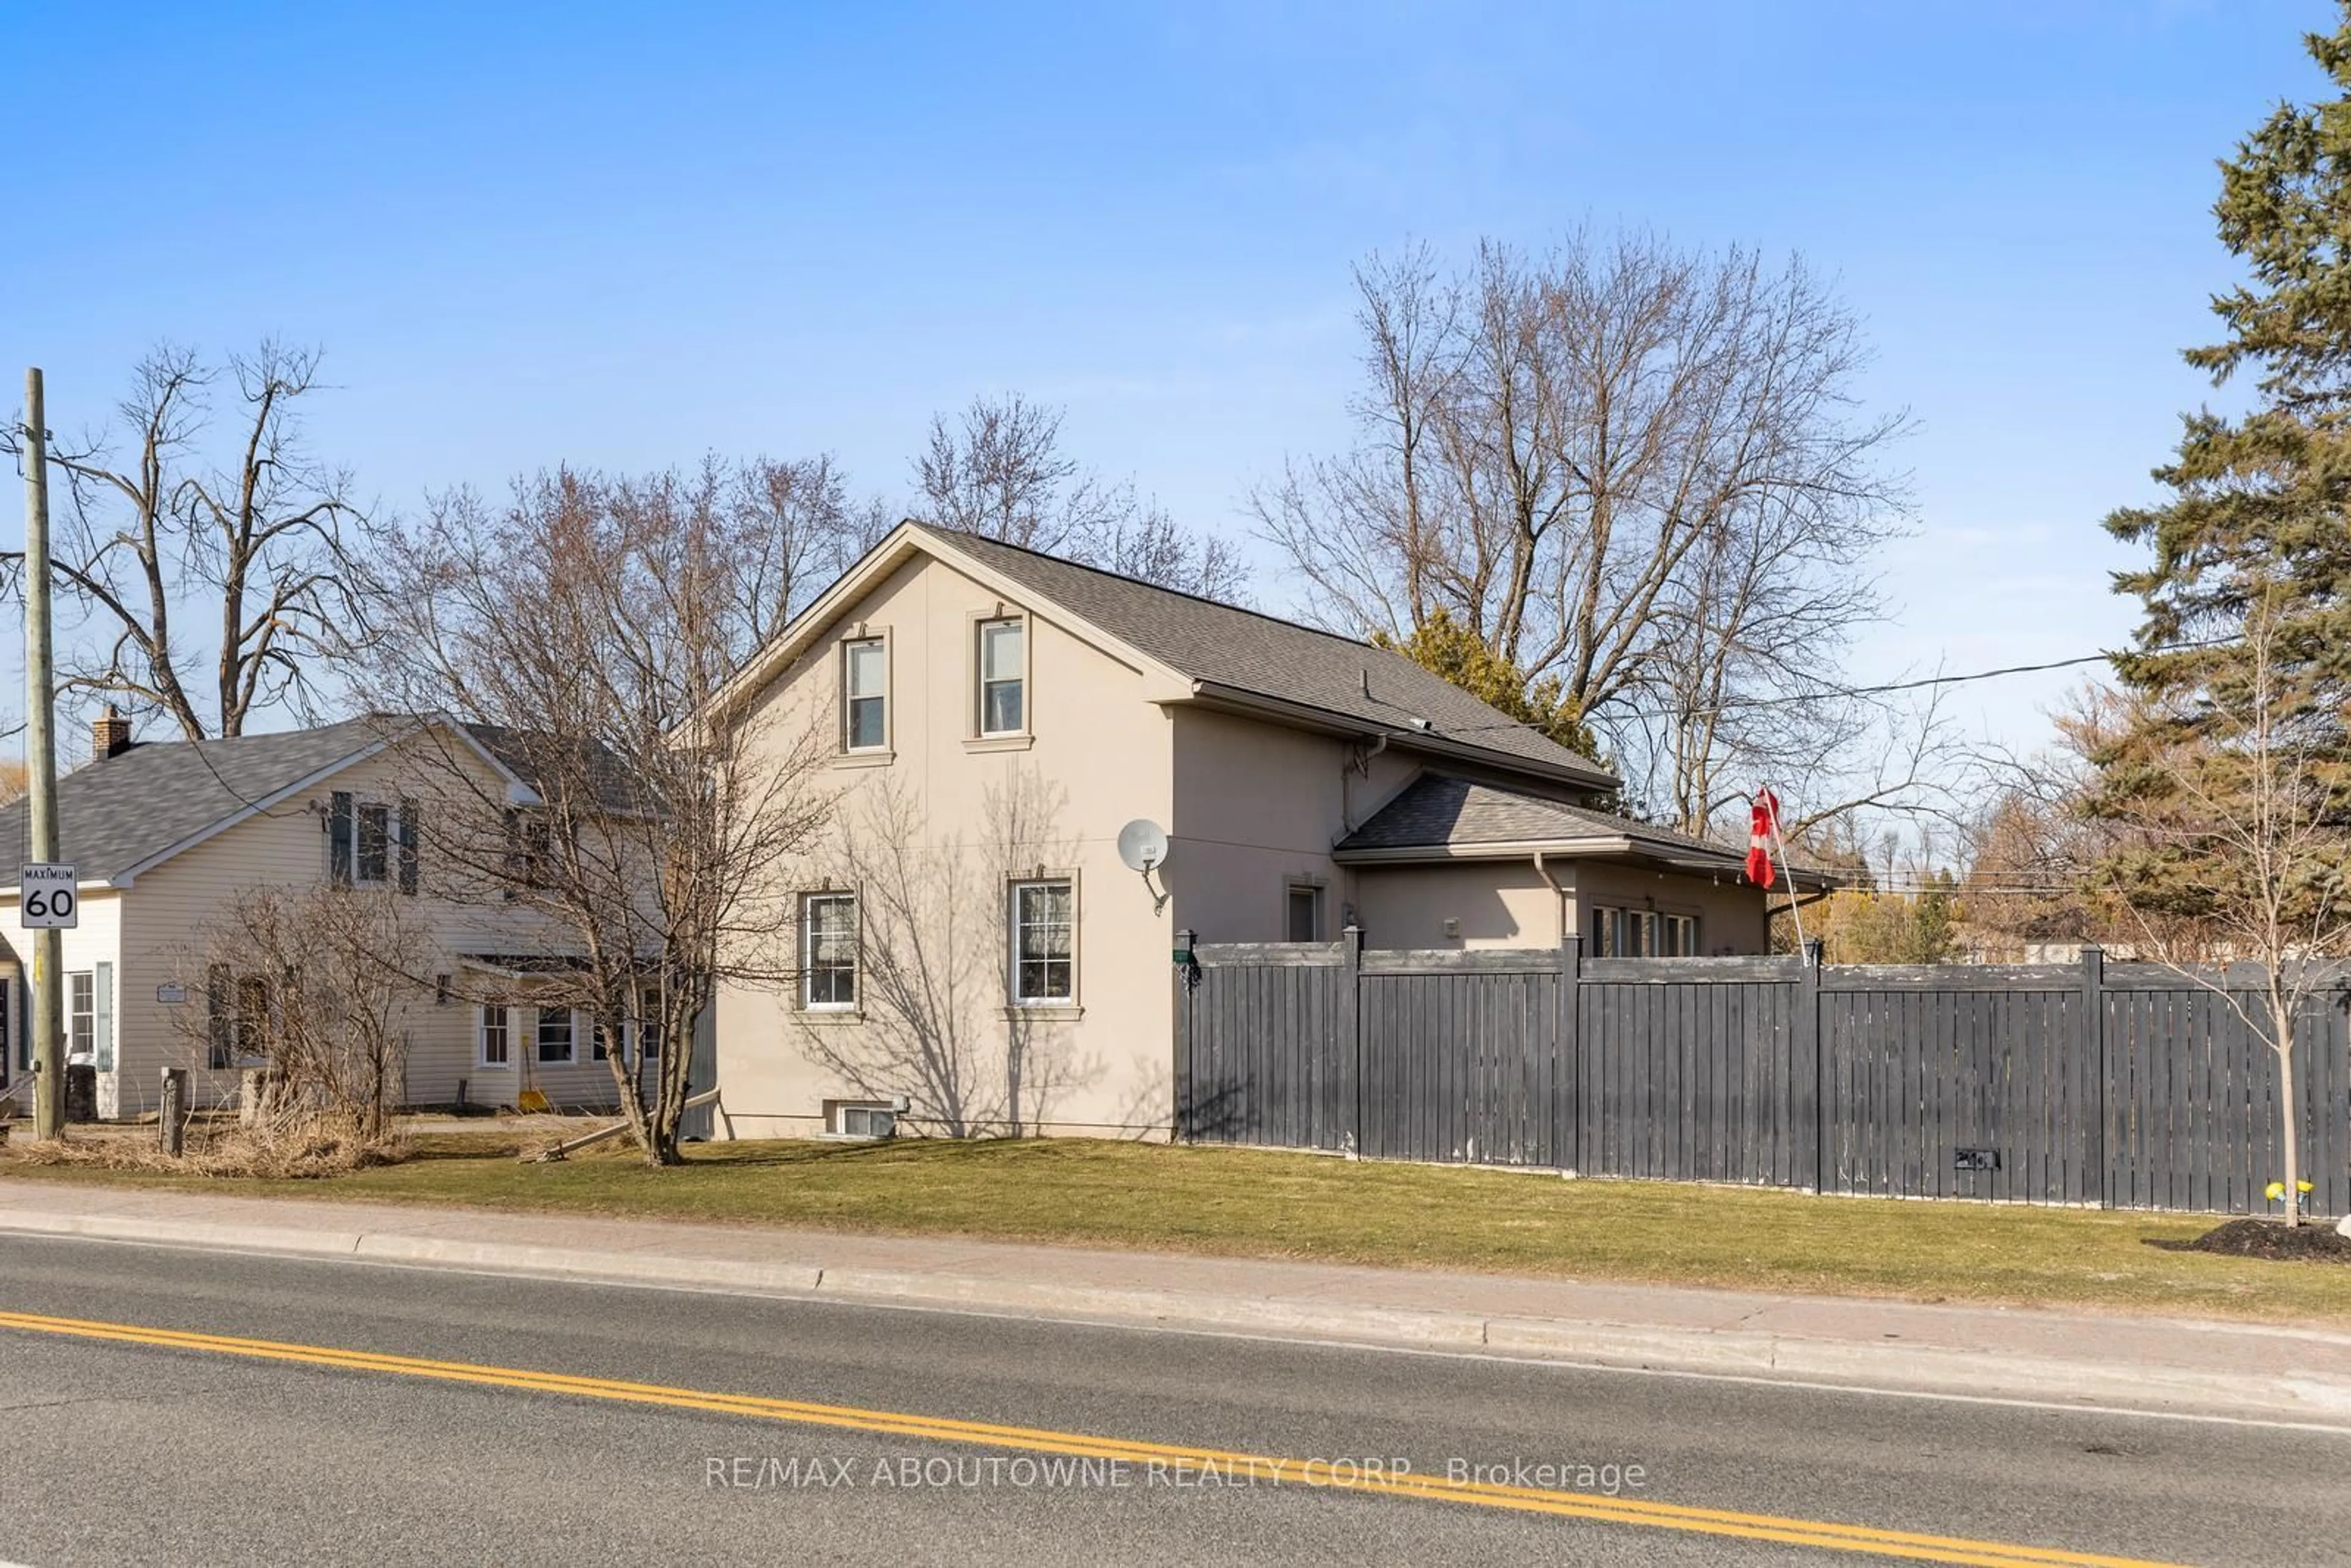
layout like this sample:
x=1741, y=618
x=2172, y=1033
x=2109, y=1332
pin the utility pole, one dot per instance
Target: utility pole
x=41, y=760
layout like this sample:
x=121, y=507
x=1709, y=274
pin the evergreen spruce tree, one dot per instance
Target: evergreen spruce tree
x=2232, y=774
x=1446, y=647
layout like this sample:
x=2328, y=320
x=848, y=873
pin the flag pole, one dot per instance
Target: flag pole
x=1795, y=911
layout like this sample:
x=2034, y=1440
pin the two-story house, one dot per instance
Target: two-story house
x=974, y=952
x=165, y=835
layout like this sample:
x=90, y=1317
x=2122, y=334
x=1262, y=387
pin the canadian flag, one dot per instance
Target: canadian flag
x=1763, y=827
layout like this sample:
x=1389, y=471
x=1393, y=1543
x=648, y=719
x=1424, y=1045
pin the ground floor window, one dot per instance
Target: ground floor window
x=555, y=1035
x=649, y=1027
x=81, y=1015
x=1302, y=913
x=236, y=1009
x=1642, y=934
x=829, y=950
x=494, y=1034
x=1678, y=935
x=858, y=1119
x=1044, y=941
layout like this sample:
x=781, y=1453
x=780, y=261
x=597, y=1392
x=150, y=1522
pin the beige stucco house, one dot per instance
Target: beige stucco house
x=974, y=953
x=165, y=834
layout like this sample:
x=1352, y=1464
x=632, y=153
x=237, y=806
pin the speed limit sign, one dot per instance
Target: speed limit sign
x=50, y=897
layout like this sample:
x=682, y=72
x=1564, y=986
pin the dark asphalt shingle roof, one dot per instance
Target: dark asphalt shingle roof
x=116, y=812
x=1229, y=646
x=120, y=811
x=1438, y=810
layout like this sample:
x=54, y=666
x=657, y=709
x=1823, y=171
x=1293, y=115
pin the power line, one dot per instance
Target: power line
x=1890, y=687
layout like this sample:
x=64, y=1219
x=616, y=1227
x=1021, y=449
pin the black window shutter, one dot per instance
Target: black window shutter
x=216, y=1012
x=338, y=839
x=408, y=846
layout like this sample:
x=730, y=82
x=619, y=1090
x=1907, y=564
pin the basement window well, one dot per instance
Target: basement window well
x=860, y=1119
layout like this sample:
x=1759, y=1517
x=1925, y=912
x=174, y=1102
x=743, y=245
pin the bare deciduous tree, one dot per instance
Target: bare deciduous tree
x=797, y=526
x=246, y=563
x=2239, y=806
x=584, y=631
x=318, y=984
x=998, y=471
x=1635, y=469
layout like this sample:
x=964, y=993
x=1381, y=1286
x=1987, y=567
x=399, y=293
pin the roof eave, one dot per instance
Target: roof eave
x=1688, y=863
x=1507, y=850
x=1435, y=743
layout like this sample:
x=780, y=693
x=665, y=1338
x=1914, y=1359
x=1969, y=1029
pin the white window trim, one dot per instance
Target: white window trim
x=1291, y=886
x=1697, y=929
x=1629, y=918
x=482, y=1036
x=573, y=1059
x=836, y=1116
x=396, y=826
x=1016, y=1002
x=649, y=1011
x=856, y=951
x=75, y=980
x=979, y=736
x=883, y=751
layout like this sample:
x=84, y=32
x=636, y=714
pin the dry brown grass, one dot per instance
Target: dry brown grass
x=303, y=1150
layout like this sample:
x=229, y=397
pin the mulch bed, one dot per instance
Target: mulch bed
x=2308, y=1243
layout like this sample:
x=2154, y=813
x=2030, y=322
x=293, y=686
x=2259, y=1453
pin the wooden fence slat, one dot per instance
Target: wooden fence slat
x=2131, y=1085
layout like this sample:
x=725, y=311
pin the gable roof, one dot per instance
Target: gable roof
x=122, y=812
x=120, y=815
x=1223, y=651
x=1439, y=816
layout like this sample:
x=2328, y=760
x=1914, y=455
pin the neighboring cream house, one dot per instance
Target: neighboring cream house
x=973, y=950
x=164, y=833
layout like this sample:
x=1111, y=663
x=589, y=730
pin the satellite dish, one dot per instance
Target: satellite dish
x=1142, y=845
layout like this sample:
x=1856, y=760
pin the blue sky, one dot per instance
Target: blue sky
x=625, y=236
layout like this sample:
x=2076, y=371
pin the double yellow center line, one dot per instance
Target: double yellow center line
x=1896, y=1543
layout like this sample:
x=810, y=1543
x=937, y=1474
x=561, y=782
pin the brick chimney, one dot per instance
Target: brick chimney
x=109, y=735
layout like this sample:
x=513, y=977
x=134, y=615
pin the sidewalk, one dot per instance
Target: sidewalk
x=2146, y=1363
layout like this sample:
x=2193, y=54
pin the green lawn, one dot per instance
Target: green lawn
x=1246, y=1203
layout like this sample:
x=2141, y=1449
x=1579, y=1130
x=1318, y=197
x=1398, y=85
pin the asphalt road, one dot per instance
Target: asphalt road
x=137, y=1453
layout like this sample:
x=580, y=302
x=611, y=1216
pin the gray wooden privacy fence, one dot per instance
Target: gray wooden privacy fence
x=2126, y=1085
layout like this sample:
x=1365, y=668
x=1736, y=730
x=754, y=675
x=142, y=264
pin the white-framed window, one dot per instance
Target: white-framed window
x=1003, y=676
x=865, y=695
x=557, y=1037
x=494, y=1035
x=1044, y=942
x=1642, y=934
x=649, y=1024
x=372, y=862
x=531, y=848
x=861, y=1118
x=829, y=951
x=371, y=843
x=238, y=1016
x=1301, y=913
x=1609, y=933
x=81, y=1015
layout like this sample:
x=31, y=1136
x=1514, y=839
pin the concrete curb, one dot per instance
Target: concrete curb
x=1896, y=1368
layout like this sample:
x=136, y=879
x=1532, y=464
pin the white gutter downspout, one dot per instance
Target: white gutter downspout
x=1558, y=892
x=1361, y=765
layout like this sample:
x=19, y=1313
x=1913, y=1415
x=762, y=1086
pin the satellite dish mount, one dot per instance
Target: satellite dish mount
x=1143, y=847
